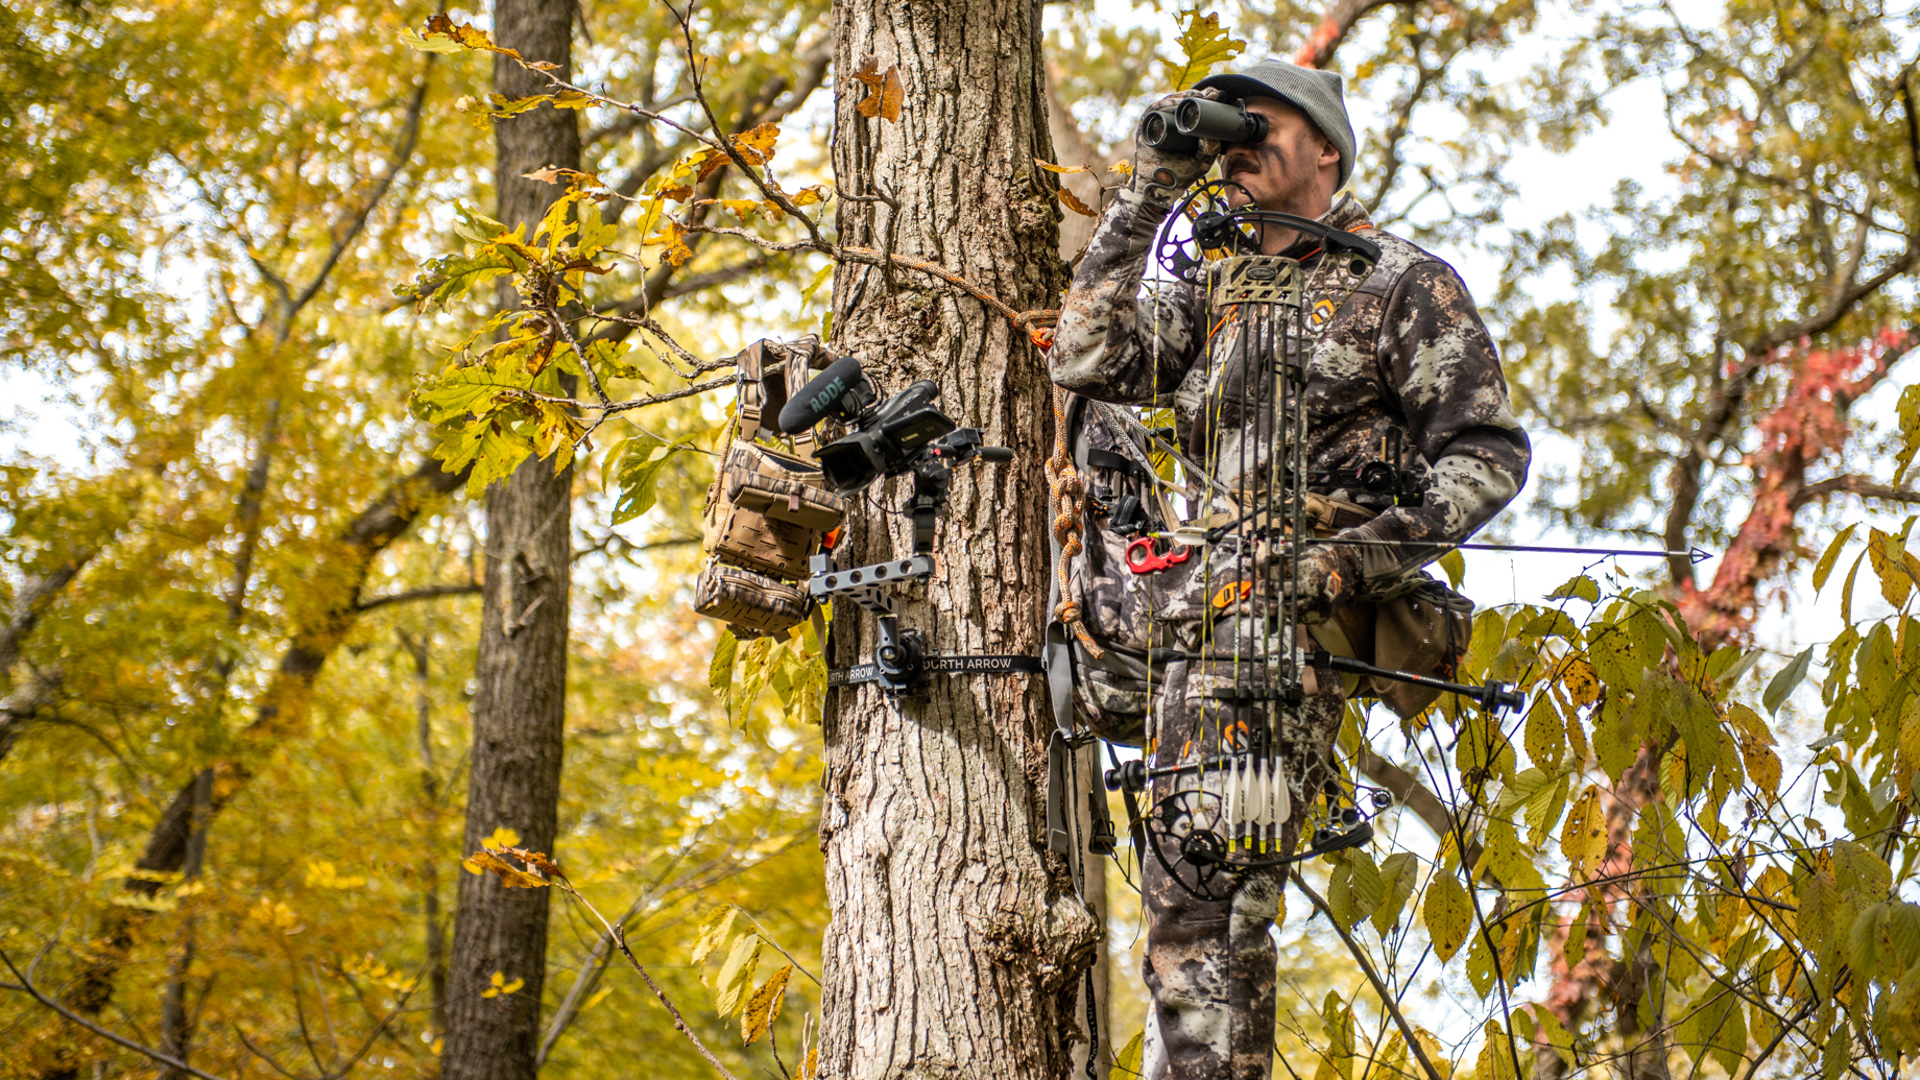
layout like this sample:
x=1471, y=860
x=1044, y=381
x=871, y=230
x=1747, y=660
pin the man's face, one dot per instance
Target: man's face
x=1288, y=170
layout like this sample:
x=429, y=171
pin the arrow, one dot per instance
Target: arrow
x=1695, y=556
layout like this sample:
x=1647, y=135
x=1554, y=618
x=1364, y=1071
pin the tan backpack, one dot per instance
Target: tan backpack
x=769, y=508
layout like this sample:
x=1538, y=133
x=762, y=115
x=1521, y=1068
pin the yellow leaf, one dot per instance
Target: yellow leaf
x=1583, y=839
x=1061, y=169
x=736, y=974
x=1124, y=168
x=807, y=196
x=1448, y=915
x=1202, y=44
x=744, y=209
x=764, y=1006
x=673, y=237
x=757, y=145
x=1074, y=204
x=511, y=876
x=713, y=933
x=1583, y=686
x=442, y=34
x=502, y=837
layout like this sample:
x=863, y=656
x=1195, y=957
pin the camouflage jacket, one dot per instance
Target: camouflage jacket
x=1399, y=357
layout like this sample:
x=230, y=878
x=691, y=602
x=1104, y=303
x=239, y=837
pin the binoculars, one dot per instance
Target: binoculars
x=1179, y=130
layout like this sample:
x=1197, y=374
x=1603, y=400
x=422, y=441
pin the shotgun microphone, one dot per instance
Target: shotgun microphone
x=841, y=392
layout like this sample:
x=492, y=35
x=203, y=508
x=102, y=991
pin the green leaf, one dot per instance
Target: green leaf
x=720, y=669
x=1354, y=889
x=819, y=279
x=1399, y=874
x=1784, y=683
x=1577, y=588
x=1202, y=44
x=1448, y=915
x=1455, y=565
x=637, y=475
x=736, y=975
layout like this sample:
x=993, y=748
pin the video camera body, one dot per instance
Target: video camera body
x=905, y=433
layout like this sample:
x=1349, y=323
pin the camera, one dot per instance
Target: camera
x=902, y=434
x=1179, y=130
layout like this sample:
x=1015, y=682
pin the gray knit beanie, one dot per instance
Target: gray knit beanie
x=1319, y=94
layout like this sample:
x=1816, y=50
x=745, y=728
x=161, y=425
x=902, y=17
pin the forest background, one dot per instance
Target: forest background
x=244, y=247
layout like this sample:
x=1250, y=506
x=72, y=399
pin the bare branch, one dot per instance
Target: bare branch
x=428, y=592
x=1320, y=45
x=26, y=984
x=1388, y=999
x=402, y=151
x=1864, y=487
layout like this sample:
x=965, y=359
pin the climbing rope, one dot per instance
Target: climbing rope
x=1069, y=494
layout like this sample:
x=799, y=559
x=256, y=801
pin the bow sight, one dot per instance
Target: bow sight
x=904, y=434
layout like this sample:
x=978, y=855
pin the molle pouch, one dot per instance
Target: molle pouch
x=752, y=540
x=779, y=486
x=1425, y=630
x=753, y=604
x=770, y=373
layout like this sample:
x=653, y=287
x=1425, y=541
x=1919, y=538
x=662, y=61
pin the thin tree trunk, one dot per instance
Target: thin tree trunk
x=436, y=928
x=174, y=1028
x=957, y=947
x=519, y=711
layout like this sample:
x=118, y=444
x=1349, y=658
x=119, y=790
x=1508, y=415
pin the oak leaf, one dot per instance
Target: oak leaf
x=1202, y=45
x=511, y=876
x=757, y=145
x=887, y=91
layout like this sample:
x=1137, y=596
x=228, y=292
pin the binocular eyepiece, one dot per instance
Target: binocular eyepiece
x=1179, y=130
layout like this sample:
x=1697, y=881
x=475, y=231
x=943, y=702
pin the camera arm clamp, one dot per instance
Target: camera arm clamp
x=902, y=661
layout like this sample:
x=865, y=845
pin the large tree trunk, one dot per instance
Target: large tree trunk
x=957, y=947
x=519, y=711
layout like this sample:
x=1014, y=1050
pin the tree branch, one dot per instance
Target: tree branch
x=1320, y=45
x=1864, y=487
x=26, y=984
x=1388, y=1001
x=402, y=151
x=427, y=592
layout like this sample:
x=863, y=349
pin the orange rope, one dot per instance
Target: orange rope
x=1069, y=494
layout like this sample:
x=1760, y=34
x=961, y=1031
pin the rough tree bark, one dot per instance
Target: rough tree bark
x=957, y=947
x=519, y=710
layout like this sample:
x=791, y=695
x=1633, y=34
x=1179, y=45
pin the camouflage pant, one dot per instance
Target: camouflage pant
x=1210, y=963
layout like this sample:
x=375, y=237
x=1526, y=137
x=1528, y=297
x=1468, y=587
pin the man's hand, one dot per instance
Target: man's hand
x=1162, y=176
x=1329, y=574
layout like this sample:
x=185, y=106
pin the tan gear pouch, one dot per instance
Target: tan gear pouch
x=752, y=540
x=753, y=604
x=1424, y=630
x=780, y=486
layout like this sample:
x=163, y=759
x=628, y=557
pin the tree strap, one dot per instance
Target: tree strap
x=996, y=664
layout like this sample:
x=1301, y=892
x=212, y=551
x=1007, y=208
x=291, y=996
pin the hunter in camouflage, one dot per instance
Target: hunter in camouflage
x=1397, y=357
